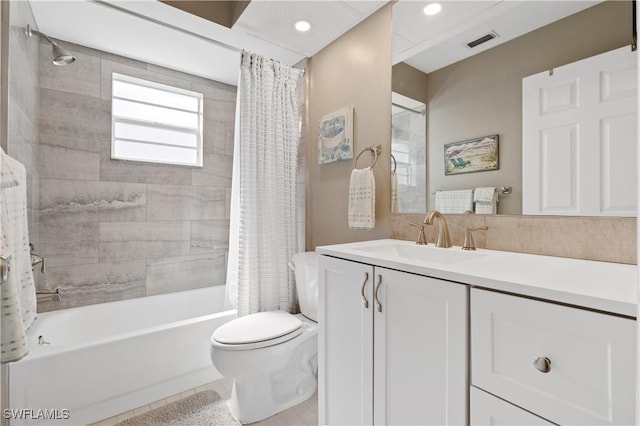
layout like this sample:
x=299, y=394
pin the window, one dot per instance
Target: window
x=155, y=123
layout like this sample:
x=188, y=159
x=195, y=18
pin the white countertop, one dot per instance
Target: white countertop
x=605, y=286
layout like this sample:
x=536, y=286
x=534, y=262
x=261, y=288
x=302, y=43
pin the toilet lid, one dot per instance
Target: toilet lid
x=258, y=327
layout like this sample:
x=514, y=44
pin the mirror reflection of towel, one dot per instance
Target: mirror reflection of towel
x=454, y=201
x=362, y=199
x=395, y=202
x=486, y=199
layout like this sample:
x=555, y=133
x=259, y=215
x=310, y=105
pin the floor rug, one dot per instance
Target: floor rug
x=203, y=408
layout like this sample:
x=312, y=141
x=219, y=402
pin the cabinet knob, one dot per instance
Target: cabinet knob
x=542, y=364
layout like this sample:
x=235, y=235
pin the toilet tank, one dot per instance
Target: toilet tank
x=305, y=266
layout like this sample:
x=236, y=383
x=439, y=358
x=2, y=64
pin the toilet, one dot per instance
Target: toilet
x=272, y=356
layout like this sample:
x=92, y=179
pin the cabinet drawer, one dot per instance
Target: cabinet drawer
x=486, y=409
x=591, y=377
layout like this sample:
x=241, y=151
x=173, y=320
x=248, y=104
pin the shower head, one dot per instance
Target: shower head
x=61, y=56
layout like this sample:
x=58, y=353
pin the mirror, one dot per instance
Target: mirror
x=474, y=92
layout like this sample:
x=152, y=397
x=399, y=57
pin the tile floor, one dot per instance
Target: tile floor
x=305, y=414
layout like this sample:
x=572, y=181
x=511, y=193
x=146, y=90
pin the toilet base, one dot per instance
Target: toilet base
x=259, y=398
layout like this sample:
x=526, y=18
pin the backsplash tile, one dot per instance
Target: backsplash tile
x=606, y=239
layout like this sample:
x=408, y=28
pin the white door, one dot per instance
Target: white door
x=420, y=350
x=345, y=357
x=579, y=137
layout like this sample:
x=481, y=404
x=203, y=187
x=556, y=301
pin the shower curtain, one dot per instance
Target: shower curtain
x=264, y=227
x=19, y=292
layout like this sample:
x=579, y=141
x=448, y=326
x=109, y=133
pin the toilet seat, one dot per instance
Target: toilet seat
x=257, y=331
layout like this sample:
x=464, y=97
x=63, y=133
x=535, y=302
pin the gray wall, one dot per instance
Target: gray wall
x=112, y=229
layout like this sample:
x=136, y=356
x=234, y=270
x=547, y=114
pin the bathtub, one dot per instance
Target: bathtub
x=105, y=359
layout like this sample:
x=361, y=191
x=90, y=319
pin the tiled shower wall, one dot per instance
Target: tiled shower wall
x=112, y=229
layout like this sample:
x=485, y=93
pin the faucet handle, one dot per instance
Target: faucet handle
x=469, y=244
x=422, y=239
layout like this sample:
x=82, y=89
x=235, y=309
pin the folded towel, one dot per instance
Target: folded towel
x=395, y=202
x=362, y=199
x=454, y=201
x=486, y=199
x=18, y=293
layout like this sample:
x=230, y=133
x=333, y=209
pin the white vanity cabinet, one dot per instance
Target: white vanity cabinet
x=585, y=369
x=393, y=346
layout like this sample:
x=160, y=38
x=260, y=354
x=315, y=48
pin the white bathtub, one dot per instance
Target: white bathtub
x=109, y=358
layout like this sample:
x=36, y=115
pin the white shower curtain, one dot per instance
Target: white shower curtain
x=264, y=226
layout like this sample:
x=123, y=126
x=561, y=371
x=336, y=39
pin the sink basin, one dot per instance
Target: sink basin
x=427, y=253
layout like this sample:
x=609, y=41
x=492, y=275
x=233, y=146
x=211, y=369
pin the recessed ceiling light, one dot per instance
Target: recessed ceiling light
x=432, y=9
x=303, y=26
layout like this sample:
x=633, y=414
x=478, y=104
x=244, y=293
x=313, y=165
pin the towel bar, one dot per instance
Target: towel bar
x=506, y=190
x=375, y=150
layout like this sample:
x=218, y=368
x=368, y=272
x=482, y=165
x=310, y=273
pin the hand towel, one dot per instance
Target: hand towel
x=18, y=293
x=395, y=202
x=486, y=200
x=362, y=199
x=454, y=201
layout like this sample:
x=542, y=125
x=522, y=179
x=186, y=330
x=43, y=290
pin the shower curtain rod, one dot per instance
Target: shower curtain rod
x=408, y=109
x=166, y=25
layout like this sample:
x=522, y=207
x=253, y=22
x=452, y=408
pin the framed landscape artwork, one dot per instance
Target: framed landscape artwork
x=473, y=155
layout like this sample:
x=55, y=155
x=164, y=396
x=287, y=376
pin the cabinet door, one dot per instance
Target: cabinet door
x=420, y=350
x=486, y=409
x=345, y=357
x=568, y=365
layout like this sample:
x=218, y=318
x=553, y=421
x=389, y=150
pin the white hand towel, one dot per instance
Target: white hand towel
x=18, y=293
x=454, y=201
x=362, y=199
x=486, y=199
x=395, y=202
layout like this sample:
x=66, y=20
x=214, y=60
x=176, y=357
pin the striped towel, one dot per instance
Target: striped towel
x=486, y=199
x=454, y=201
x=362, y=199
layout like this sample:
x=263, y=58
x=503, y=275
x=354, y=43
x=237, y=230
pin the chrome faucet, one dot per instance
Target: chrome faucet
x=444, y=240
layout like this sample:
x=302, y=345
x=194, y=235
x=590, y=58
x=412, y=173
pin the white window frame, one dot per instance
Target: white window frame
x=128, y=120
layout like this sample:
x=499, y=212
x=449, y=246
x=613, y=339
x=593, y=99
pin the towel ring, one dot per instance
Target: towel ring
x=374, y=150
x=395, y=163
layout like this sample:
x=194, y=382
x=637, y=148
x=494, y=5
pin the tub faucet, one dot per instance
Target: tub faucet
x=36, y=259
x=444, y=240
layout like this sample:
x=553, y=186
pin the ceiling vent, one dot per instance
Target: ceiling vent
x=483, y=39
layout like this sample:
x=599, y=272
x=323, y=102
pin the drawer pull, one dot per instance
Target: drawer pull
x=542, y=364
x=364, y=285
x=377, y=290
